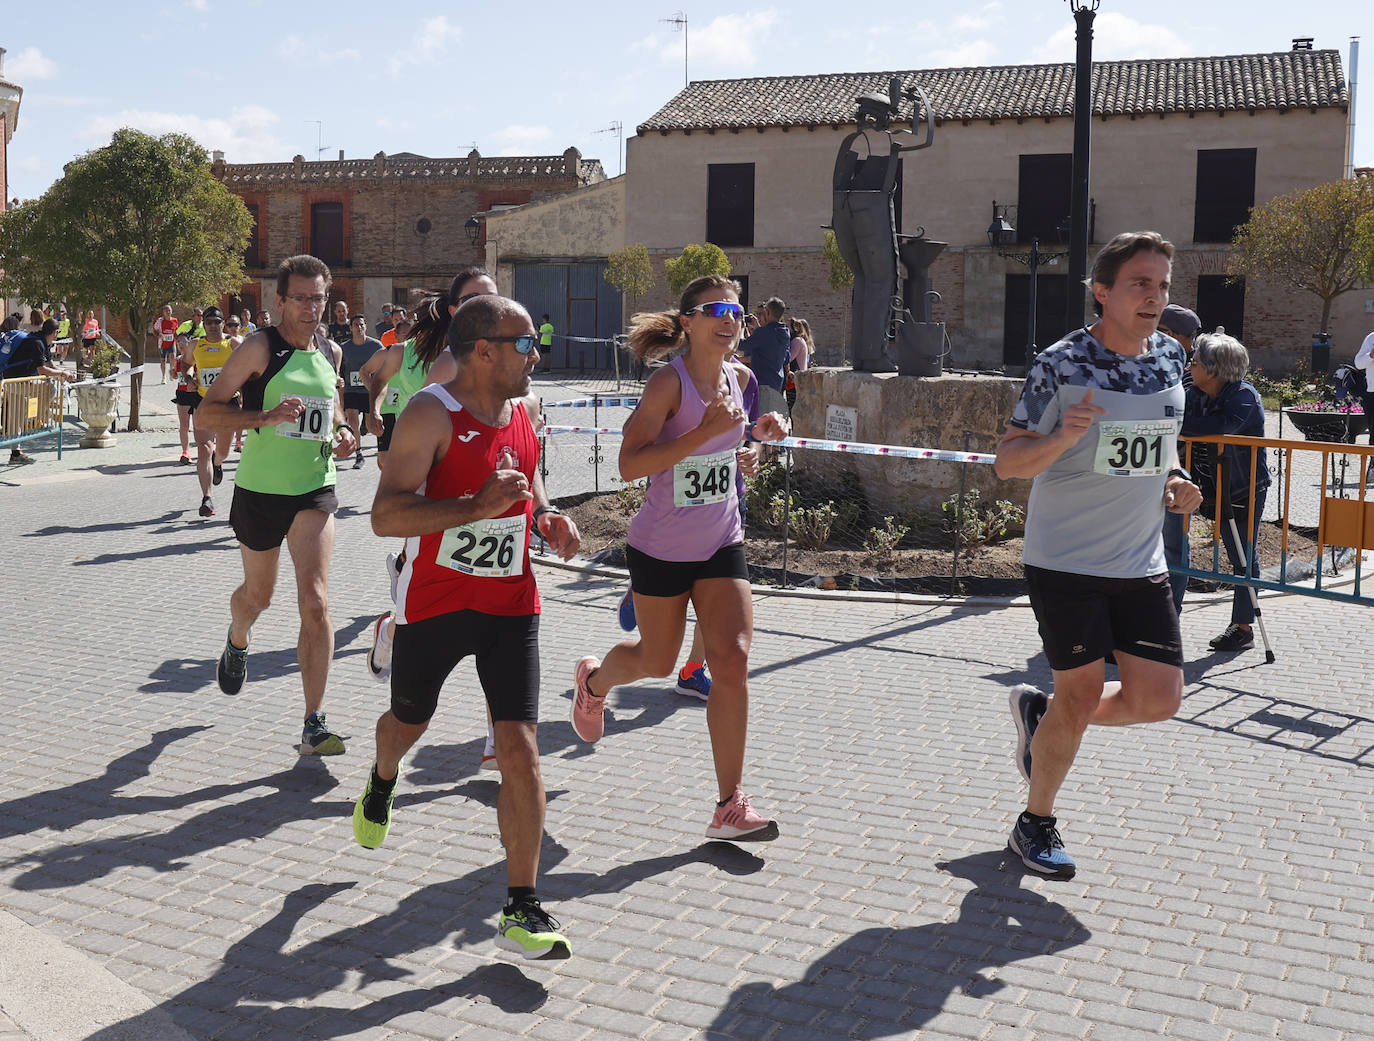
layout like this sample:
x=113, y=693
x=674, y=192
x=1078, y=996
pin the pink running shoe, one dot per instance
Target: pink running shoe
x=587, y=708
x=738, y=821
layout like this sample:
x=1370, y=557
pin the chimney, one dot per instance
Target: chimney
x=1302, y=43
x=340, y=155
x=2, y=61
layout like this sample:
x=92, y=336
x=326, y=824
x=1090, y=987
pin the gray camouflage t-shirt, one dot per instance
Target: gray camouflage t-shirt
x=1099, y=508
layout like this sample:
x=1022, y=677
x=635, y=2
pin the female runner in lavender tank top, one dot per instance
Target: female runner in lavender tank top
x=686, y=544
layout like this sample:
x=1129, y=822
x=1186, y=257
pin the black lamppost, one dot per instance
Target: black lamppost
x=1084, y=11
x=1001, y=233
x=473, y=228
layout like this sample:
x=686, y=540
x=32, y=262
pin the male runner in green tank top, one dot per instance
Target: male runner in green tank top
x=284, y=485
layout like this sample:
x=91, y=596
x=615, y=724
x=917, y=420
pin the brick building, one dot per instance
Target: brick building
x=10, y=96
x=386, y=226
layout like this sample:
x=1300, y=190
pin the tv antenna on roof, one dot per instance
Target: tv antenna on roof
x=617, y=128
x=679, y=24
x=319, y=137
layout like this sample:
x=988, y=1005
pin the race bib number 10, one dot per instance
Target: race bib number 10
x=1136, y=448
x=492, y=548
x=700, y=480
x=316, y=423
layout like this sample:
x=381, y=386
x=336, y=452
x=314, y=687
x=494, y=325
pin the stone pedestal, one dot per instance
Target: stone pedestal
x=950, y=412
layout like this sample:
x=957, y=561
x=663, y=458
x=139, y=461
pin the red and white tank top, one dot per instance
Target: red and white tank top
x=485, y=565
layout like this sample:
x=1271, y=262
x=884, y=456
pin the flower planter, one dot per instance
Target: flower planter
x=98, y=405
x=1336, y=426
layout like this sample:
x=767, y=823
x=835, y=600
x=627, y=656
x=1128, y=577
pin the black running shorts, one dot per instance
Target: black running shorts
x=507, y=652
x=261, y=520
x=189, y=398
x=388, y=425
x=356, y=399
x=650, y=576
x=1082, y=617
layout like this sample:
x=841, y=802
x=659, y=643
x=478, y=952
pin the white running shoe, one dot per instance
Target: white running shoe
x=393, y=574
x=489, y=750
x=379, y=658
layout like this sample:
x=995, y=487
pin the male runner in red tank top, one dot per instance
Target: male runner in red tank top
x=462, y=485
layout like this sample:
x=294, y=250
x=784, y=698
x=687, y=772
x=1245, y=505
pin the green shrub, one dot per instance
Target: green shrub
x=977, y=524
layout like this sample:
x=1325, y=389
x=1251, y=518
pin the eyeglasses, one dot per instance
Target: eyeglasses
x=718, y=309
x=523, y=344
x=310, y=301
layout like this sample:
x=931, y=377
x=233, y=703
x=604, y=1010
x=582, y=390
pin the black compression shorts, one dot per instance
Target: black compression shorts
x=507, y=652
x=1082, y=617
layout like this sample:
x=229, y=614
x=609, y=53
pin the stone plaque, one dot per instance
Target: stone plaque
x=841, y=423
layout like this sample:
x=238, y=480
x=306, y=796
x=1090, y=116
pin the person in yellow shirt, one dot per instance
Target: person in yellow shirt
x=208, y=355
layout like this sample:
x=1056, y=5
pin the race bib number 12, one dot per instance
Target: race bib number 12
x=492, y=548
x=1136, y=448
x=316, y=423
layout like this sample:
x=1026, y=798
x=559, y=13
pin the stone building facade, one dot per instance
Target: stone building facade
x=1183, y=146
x=389, y=226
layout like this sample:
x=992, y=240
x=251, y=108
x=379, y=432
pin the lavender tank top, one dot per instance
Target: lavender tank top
x=692, y=509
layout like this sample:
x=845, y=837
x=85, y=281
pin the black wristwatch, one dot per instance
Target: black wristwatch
x=1178, y=471
x=540, y=511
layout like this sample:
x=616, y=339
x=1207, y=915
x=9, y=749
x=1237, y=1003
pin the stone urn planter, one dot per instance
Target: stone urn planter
x=98, y=405
x=1336, y=425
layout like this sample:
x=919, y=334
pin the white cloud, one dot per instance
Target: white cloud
x=31, y=164
x=973, y=53
x=29, y=64
x=244, y=137
x=730, y=41
x=198, y=5
x=1116, y=37
x=519, y=138
x=430, y=43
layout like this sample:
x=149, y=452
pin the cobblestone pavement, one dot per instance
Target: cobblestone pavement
x=171, y=836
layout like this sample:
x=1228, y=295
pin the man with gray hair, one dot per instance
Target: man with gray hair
x=1222, y=402
x=1096, y=428
x=462, y=485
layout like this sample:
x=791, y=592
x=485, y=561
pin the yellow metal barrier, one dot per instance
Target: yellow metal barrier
x=30, y=407
x=1341, y=520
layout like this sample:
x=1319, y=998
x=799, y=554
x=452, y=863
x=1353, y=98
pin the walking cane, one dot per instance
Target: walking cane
x=1253, y=553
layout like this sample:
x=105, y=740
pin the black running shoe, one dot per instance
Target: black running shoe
x=1028, y=705
x=232, y=669
x=207, y=508
x=1233, y=639
x=217, y=471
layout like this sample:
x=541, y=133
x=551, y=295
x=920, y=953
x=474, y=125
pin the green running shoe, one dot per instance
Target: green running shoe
x=372, y=813
x=531, y=932
x=318, y=739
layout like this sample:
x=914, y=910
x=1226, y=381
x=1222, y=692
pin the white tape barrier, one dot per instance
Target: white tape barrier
x=594, y=403
x=818, y=445
x=112, y=378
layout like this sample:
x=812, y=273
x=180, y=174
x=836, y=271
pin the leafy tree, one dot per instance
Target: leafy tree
x=694, y=262
x=131, y=226
x=1320, y=239
x=840, y=275
x=629, y=270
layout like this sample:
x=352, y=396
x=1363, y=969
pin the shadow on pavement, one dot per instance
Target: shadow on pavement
x=258, y=972
x=91, y=529
x=885, y=982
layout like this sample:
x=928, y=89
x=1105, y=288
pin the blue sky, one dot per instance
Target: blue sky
x=264, y=80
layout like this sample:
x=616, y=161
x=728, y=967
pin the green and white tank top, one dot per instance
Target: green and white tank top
x=409, y=378
x=295, y=456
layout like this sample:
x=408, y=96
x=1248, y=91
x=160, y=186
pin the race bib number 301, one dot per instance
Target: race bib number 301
x=1136, y=448
x=700, y=480
x=492, y=548
x=316, y=423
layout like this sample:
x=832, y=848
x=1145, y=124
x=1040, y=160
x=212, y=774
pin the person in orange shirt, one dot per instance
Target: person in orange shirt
x=400, y=328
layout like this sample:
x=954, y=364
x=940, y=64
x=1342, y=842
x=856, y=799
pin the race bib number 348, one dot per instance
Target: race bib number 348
x=700, y=480
x=1136, y=448
x=316, y=423
x=492, y=548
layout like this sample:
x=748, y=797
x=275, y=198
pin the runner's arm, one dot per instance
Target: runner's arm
x=217, y=410
x=639, y=456
x=1024, y=453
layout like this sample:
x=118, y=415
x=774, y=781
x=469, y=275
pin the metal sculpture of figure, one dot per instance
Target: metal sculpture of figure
x=864, y=219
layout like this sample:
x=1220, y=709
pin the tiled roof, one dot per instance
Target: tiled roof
x=1149, y=86
x=409, y=166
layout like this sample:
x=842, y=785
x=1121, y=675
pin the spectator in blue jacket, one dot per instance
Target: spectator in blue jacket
x=767, y=351
x=1222, y=402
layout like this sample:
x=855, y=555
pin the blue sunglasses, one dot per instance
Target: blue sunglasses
x=718, y=309
x=523, y=344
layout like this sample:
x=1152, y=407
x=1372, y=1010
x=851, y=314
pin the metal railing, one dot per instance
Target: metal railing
x=1337, y=520
x=30, y=407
